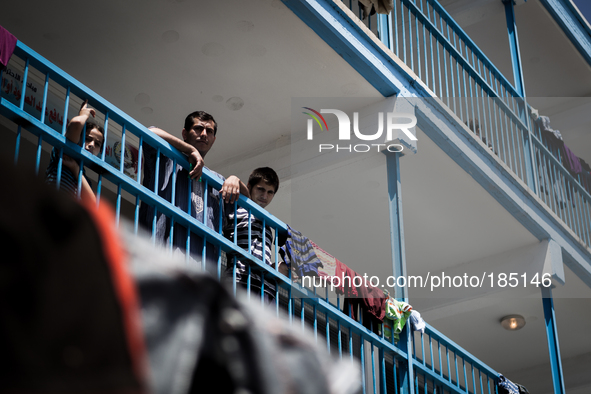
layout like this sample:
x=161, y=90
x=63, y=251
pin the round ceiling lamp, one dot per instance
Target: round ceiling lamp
x=513, y=322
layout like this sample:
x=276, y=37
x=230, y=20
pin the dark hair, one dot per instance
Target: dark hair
x=266, y=174
x=203, y=116
x=92, y=125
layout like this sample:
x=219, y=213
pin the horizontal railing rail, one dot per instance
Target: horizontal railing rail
x=426, y=38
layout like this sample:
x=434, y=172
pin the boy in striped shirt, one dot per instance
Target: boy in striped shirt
x=262, y=186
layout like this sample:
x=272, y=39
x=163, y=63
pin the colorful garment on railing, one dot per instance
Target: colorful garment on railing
x=416, y=321
x=586, y=175
x=352, y=285
x=571, y=162
x=161, y=230
x=549, y=179
x=7, y=45
x=68, y=181
x=506, y=386
x=297, y=249
x=255, y=247
x=544, y=123
x=329, y=262
x=396, y=315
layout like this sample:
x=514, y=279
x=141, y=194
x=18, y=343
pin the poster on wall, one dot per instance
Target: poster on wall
x=11, y=90
x=130, y=156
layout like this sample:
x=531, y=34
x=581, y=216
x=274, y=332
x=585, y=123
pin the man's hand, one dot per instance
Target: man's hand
x=231, y=189
x=283, y=269
x=197, y=164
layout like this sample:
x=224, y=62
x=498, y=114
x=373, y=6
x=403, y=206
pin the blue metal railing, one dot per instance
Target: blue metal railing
x=423, y=35
x=40, y=126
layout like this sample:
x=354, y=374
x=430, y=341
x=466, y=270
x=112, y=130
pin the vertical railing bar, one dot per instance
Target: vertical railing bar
x=38, y=154
x=412, y=55
x=24, y=87
x=302, y=314
x=204, y=214
x=503, y=130
x=459, y=83
x=362, y=347
x=44, y=103
x=79, y=179
x=66, y=105
x=382, y=357
x=512, y=142
x=403, y=31
x=439, y=354
x=373, y=366
x=418, y=38
x=423, y=350
x=471, y=83
x=480, y=378
x=118, y=205
x=473, y=378
x=172, y=199
x=465, y=375
x=431, y=353
x=554, y=192
x=448, y=365
x=327, y=330
x=17, y=149
x=315, y=323
x=351, y=342
x=395, y=22
x=456, y=366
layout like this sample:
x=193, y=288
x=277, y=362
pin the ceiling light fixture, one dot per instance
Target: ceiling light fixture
x=513, y=322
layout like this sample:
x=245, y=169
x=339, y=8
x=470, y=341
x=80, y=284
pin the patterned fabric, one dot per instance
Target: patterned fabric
x=68, y=181
x=255, y=247
x=329, y=262
x=506, y=386
x=397, y=313
x=297, y=249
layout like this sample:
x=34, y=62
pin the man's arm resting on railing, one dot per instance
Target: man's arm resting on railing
x=232, y=188
x=192, y=153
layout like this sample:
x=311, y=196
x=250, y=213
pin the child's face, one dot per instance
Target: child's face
x=94, y=141
x=262, y=193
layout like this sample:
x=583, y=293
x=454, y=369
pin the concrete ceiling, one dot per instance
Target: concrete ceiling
x=245, y=61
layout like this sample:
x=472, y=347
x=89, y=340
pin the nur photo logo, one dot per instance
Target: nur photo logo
x=390, y=123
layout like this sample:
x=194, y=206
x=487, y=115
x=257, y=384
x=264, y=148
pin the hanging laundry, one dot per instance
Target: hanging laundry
x=7, y=45
x=359, y=295
x=396, y=315
x=544, y=123
x=506, y=386
x=571, y=162
x=416, y=322
x=586, y=175
x=369, y=7
x=548, y=178
x=297, y=249
x=345, y=287
x=329, y=262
